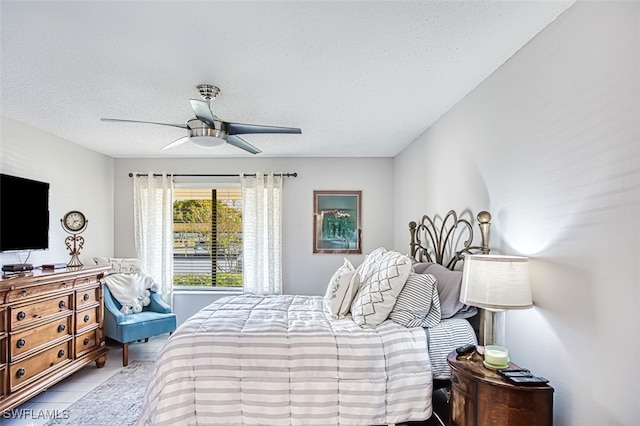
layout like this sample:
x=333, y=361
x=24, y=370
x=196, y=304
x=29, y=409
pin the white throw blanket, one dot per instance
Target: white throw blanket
x=131, y=290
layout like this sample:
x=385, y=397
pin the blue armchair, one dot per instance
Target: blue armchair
x=155, y=318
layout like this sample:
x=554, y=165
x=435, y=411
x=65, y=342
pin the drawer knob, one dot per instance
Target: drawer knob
x=21, y=315
x=61, y=328
x=86, y=318
x=62, y=305
x=21, y=372
x=86, y=297
x=20, y=343
x=60, y=353
x=63, y=285
x=24, y=293
x=86, y=341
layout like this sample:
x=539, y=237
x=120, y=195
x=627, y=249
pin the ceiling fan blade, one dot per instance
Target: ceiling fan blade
x=176, y=143
x=238, y=142
x=245, y=129
x=182, y=126
x=202, y=112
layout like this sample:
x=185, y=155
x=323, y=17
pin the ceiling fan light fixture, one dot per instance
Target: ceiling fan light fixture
x=207, y=141
x=204, y=136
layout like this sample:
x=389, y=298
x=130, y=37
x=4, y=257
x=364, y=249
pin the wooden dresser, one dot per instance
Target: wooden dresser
x=480, y=396
x=50, y=327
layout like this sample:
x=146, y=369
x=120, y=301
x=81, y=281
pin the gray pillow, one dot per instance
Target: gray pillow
x=449, y=283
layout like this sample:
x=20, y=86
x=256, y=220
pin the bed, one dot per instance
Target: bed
x=368, y=352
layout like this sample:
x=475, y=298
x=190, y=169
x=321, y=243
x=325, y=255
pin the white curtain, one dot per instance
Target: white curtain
x=262, y=233
x=153, y=229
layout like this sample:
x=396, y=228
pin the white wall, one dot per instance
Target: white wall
x=303, y=271
x=550, y=144
x=79, y=179
x=100, y=187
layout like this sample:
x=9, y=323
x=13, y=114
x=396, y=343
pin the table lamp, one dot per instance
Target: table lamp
x=495, y=283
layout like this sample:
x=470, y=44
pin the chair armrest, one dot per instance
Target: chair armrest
x=113, y=309
x=157, y=304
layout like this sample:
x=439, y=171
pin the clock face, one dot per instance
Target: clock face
x=74, y=221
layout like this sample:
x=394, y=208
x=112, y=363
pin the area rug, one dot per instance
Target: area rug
x=117, y=401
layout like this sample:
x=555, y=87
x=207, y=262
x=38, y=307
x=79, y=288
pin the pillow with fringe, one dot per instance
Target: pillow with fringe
x=120, y=265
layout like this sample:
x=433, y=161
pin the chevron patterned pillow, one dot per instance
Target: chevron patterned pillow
x=382, y=275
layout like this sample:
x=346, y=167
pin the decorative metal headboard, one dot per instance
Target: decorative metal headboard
x=430, y=243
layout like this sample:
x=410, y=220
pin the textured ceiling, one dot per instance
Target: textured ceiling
x=360, y=78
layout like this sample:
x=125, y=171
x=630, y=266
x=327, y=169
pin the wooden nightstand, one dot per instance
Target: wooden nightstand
x=480, y=396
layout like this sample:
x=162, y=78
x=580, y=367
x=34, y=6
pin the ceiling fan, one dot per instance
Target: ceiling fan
x=209, y=131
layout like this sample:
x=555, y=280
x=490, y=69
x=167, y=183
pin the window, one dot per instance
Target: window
x=207, y=237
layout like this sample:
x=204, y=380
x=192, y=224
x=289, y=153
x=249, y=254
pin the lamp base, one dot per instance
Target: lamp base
x=492, y=327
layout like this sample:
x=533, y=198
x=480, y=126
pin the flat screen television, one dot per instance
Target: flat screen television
x=24, y=214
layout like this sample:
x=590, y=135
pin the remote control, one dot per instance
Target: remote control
x=513, y=370
x=532, y=380
x=516, y=374
x=465, y=349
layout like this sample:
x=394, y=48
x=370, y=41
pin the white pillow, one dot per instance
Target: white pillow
x=341, y=290
x=382, y=275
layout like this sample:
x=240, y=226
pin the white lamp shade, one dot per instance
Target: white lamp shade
x=496, y=282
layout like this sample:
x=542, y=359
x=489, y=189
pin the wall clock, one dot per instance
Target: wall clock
x=74, y=223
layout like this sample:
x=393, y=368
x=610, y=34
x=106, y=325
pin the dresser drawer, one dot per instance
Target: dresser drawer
x=33, y=338
x=23, y=372
x=86, y=341
x=22, y=316
x=87, y=297
x=3, y=380
x=3, y=349
x=20, y=294
x=86, y=281
x=87, y=318
x=3, y=320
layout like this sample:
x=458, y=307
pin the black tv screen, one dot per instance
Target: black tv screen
x=24, y=214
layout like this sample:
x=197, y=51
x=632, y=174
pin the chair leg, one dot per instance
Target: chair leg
x=125, y=354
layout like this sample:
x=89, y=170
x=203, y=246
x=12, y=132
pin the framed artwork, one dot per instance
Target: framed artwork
x=337, y=222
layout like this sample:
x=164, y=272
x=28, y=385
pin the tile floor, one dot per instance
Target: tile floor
x=74, y=387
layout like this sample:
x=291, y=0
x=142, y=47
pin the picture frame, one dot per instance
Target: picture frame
x=337, y=226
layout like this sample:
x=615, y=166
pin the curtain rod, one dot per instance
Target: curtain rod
x=214, y=175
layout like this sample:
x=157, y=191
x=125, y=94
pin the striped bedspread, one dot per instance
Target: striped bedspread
x=280, y=360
